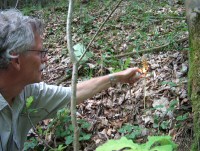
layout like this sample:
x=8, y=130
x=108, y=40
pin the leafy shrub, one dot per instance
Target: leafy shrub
x=62, y=127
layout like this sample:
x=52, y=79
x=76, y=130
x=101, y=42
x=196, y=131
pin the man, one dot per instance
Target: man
x=22, y=60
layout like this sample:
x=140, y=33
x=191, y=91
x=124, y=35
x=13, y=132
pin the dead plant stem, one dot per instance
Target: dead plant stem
x=144, y=84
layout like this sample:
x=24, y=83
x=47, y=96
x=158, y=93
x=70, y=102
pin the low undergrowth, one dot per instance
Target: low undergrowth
x=127, y=110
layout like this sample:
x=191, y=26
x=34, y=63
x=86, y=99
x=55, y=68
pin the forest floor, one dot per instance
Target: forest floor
x=157, y=104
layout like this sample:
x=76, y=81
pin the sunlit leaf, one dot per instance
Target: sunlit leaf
x=155, y=143
x=79, y=49
x=119, y=144
x=69, y=140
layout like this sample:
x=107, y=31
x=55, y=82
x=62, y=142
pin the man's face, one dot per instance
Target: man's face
x=32, y=61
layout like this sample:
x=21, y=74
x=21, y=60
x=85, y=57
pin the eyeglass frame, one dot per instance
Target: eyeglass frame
x=42, y=52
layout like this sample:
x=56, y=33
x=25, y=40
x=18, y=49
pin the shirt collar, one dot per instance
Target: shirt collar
x=3, y=102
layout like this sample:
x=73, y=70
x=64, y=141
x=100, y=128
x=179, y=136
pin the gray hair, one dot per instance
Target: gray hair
x=16, y=34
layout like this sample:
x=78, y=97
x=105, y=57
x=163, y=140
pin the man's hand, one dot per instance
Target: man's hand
x=130, y=75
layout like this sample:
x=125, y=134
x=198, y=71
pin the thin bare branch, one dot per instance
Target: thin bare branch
x=74, y=77
x=99, y=30
x=73, y=107
x=16, y=3
x=69, y=36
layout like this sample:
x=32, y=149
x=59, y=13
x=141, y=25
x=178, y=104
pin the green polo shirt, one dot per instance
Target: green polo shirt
x=14, y=121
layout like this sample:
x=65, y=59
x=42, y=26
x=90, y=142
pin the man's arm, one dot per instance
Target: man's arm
x=90, y=87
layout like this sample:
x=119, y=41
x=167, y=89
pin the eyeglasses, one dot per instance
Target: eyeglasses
x=43, y=52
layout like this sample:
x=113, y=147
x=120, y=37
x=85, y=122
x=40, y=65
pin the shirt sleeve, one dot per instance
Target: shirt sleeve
x=47, y=100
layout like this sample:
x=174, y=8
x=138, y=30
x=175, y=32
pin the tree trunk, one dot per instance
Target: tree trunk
x=193, y=20
x=1, y=5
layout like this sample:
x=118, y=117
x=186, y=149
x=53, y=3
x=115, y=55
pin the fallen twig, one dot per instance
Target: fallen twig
x=156, y=49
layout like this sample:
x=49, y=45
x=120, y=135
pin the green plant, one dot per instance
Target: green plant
x=79, y=50
x=30, y=144
x=63, y=129
x=86, y=21
x=156, y=121
x=181, y=119
x=171, y=84
x=163, y=122
x=130, y=131
x=27, y=110
x=172, y=105
x=61, y=126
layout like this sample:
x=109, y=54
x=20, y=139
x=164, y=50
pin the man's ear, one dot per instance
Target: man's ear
x=15, y=62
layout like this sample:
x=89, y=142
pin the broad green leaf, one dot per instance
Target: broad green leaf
x=173, y=103
x=182, y=117
x=85, y=125
x=61, y=147
x=119, y=144
x=162, y=148
x=165, y=124
x=30, y=144
x=131, y=136
x=63, y=134
x=127, y=128
x=155, y=125
x=171, y=84
x=29, y=101
x=79, y=50
x=122, y=130
x=69, y=140
x=85, y=137
x=155, y=141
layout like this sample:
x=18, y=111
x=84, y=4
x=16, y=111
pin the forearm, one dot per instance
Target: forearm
x=90, y=87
